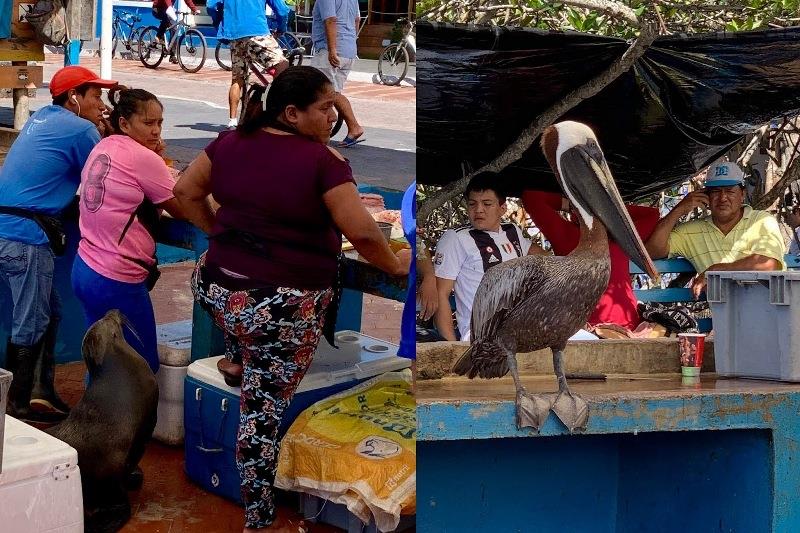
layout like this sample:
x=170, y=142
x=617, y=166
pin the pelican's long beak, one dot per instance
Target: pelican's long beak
x=584, y=172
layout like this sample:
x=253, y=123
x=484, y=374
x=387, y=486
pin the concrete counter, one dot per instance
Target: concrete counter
x=658, y=455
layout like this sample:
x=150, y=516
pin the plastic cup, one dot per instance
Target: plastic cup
x=386, y=229
x=691, y=381
x=692, y=346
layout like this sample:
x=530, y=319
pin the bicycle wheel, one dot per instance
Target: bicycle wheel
x=151, y=51
x=133, y=42
x=338, y=124
x=114, y=40
x=224, y=63
x=288, y=41
x=393, y=64
x=192, y=50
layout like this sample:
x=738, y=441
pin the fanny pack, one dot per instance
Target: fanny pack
x=148, y=217
x=51, y=226
x=255, y=245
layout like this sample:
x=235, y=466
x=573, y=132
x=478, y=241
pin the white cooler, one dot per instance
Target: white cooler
x=40, y=485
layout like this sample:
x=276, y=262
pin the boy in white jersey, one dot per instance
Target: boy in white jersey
x=463, y=255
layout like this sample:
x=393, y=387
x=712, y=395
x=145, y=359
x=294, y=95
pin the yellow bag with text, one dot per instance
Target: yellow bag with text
x=357, y=448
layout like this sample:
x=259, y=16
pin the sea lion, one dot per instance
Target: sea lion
x=111, y=423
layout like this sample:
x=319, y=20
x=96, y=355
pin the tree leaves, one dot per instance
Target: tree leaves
x=679, y=16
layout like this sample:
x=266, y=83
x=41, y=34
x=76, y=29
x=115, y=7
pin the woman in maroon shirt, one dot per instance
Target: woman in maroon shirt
x=617, y=305
x=269, y=274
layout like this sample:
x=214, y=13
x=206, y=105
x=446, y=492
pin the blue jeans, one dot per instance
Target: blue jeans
x=28, y=271
x=99, y=294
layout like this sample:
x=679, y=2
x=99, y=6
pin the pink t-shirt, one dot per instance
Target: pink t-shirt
x=118, y=175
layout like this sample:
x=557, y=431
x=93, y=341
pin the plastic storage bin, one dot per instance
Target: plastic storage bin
x=756, y=318
x=5, y=383
x=40, y=486
x=174, y=355
x=211, y=408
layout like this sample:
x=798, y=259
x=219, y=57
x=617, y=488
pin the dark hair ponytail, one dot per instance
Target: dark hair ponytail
x=297, y=86
x=127, y=102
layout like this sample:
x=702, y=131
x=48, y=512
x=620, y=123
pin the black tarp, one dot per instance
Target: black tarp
x=682, y=105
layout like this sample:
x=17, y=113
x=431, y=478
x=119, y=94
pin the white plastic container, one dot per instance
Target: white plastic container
x=359, y=357
x=40, y=486
x=5, y=384
x=174, y=355
x=756, y=317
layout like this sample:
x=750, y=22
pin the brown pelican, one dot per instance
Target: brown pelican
x=537, y=302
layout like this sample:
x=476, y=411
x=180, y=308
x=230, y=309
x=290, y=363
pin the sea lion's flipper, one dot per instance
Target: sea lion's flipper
x=111, y=514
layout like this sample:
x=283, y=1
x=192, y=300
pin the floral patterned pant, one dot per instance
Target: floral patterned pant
x=274, y=332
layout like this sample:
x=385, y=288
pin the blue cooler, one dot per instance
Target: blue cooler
x=211, y=408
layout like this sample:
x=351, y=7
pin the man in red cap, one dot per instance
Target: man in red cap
x=38, y=181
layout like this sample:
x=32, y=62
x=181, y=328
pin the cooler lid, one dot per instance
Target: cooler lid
x=174, y=343
x=376, y=357
x=29, y=453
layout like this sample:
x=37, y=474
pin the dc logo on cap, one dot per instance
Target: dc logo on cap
x=722, y=170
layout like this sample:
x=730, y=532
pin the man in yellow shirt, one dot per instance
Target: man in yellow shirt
x=733, y=237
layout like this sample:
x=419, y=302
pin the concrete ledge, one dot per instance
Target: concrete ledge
x=8, y=136
x=628, y=356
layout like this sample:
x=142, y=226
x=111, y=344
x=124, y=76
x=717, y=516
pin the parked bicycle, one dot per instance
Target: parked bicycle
x=123, y=29
x=187, y=46
x=287, y=41
x=394, y=59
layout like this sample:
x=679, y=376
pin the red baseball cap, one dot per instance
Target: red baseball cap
x=73, y=76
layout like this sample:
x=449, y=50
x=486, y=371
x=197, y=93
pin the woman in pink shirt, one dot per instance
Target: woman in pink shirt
x=123, y=184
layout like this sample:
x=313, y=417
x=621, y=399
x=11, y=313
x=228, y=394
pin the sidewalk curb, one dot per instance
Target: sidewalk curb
x=369, y=75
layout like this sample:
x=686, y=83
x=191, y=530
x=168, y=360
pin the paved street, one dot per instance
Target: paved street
x=196, y=110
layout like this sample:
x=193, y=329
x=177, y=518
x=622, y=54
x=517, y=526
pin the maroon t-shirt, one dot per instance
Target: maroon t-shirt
x=271, y=187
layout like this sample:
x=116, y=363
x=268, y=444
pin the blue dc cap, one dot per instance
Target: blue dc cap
x=725, y=174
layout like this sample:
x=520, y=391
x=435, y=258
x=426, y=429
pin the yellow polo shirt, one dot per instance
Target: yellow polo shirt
x=703, y=244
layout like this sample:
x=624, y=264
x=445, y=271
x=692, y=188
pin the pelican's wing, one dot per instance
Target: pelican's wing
x=502, y=289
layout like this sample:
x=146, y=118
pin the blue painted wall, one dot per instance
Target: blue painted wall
x=687, y=482
x=695, y=481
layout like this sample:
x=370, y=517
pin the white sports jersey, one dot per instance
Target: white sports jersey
x=458, y=258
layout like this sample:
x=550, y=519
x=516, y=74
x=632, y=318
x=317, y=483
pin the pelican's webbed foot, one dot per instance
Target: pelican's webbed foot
x=571, y=409
x=533, y=409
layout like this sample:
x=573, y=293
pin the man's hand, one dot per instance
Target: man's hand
x=405, y=257
x=698, y=285
x=333, y=59
x=162, y=146
x=690, y=202
x=428, y=297
x=104, y=127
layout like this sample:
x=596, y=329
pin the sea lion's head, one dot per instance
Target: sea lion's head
x=101, y=338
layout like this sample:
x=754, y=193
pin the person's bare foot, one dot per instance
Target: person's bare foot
x=356, y=132
x=353, y=137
